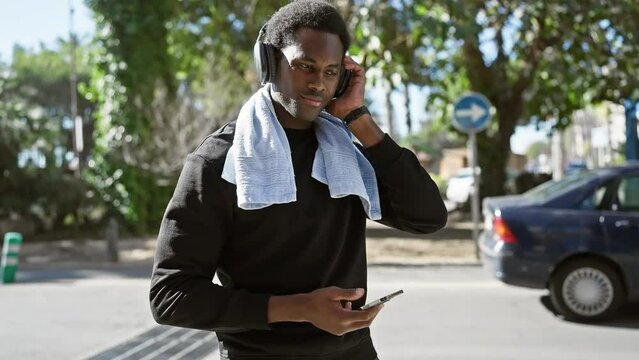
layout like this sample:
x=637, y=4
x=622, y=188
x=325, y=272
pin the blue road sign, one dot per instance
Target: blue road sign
x=471, y=113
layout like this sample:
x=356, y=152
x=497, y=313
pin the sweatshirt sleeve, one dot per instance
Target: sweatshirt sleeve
x=410, y=199
x=192, y=235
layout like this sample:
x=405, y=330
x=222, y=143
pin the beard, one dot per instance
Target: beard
x=296, y=108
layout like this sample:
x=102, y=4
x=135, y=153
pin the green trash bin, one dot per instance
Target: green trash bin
x=10, y=255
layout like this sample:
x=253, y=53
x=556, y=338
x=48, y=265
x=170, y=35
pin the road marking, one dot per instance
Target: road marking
x=208, y=339
x=146, y=344
x=168, y=345
x=163, y=342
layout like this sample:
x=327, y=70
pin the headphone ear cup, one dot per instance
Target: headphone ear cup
x=261, y=63
x=344, y=79
x=271, y=60
x=265, y=62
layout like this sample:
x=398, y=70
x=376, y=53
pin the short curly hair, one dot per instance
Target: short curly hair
x=315, y=14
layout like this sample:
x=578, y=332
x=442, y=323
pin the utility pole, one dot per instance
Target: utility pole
x=632, y=140
x=409, y=121
x=78, y=141
x=557, y=151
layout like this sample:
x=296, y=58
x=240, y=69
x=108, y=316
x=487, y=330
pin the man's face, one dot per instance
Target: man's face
x=307, y=77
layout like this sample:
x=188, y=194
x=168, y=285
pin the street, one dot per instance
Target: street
x=448, y=312
x=461, y=313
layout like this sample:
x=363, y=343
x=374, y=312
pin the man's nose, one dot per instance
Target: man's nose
x=317, y=82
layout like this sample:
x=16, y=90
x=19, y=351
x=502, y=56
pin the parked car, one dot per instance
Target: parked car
x=577, y=237
x=575, y=166
x=460, y=186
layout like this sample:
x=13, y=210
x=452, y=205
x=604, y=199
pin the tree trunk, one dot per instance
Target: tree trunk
x=493, y=157
x=112, y=237
x=389, y=108
x=494, y=152
x=409, y=121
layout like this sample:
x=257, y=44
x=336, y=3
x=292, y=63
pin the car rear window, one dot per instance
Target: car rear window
x=555, y=187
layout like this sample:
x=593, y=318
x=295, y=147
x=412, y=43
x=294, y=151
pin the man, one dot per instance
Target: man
x=267, y=204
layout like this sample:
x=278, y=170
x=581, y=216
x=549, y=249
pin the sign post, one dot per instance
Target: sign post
x=472, y=113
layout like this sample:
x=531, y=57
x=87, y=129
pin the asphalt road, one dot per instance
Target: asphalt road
x=446, y=313
x=460, y=313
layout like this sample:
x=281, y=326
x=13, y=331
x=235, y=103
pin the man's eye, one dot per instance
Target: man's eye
x=331, y=73
x=305, y=66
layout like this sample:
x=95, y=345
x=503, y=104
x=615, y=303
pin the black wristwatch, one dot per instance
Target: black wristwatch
x=355, y=114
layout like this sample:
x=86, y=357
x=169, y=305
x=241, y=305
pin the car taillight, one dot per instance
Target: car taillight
x=502, y=231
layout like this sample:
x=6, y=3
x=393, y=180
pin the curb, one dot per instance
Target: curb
x=434, y=264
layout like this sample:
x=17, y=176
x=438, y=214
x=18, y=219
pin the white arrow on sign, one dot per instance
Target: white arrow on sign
x=475, y=112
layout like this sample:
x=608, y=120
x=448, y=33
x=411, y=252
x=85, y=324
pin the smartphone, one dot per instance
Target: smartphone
x=382, y=300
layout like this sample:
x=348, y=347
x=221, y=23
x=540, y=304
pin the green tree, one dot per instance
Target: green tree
x=131, y=64
x=157, y=67
x=535, y=61
x=213, y=44
x=161, y=82
x=36, y=145
x=163, y=71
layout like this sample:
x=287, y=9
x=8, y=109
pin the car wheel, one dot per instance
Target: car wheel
x=586, y=290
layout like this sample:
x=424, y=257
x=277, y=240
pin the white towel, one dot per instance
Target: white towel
x=259, y=161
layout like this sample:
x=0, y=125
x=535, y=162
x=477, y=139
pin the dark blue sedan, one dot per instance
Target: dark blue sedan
x=577, y=237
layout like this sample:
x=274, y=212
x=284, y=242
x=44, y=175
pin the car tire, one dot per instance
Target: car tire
x=586, y=290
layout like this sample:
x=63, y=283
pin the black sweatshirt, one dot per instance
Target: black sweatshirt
x=282, y=249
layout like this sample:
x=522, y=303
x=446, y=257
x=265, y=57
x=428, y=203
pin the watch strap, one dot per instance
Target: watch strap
x=355, y=114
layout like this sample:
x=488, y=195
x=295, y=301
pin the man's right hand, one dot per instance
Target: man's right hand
x=323, y=308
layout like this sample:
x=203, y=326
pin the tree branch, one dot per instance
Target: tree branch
x=481, y=78
x=532, y=57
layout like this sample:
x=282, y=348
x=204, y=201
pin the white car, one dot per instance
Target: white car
x=460, y=186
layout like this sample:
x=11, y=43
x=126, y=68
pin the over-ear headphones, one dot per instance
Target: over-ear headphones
x=265, y=59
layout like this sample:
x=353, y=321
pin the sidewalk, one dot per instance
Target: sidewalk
x=452, y=245
x=87, y=308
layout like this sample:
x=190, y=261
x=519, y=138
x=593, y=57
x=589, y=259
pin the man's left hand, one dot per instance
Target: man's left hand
x=353, y=97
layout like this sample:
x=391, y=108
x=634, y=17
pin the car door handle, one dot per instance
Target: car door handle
x=622, y=223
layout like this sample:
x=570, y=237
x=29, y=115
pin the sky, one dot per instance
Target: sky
x=31, y=22
x=34, y=22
